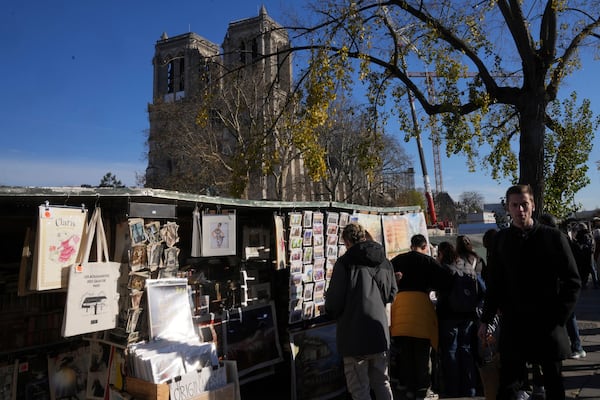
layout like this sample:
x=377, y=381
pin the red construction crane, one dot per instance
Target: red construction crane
x=435, y=143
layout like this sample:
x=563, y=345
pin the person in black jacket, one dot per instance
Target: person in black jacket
x=534, y=284
x=457, y=329
x=361, y=286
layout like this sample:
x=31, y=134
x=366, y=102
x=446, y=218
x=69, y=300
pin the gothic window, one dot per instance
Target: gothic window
x=279, y=64
x=243, y=53
x=170, y=77
x=254, y=50
x=181, y=74
x=205, y=71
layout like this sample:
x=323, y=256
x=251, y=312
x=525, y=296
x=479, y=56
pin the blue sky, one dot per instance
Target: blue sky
x=77, y=78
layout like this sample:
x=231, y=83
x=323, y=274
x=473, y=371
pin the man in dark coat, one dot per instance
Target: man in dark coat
x=534, y=285
x=361, y=286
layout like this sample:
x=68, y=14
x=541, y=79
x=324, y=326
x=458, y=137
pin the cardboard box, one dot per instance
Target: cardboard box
x=141, y=389
x=144, y=390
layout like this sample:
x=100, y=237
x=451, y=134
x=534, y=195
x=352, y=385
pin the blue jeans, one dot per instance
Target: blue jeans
x=573, y=331
x=457, y=357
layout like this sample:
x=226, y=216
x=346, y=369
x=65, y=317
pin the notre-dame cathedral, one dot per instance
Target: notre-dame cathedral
x=186, y=155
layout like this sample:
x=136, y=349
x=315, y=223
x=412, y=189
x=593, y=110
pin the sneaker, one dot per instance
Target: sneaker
x=578, y=354
x=522, y=395
x=429, y=396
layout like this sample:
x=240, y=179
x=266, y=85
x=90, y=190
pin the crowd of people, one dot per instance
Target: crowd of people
x=442, y=321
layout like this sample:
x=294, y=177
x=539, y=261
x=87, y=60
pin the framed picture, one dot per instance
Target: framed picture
x=251, y=338
x=218, y=235
x=317, y=368
x=67, y=372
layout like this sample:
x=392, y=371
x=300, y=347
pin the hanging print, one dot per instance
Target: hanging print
x=218, y=235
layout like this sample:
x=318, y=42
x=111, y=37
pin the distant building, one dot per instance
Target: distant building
x=477, y=223
x=184, y=67
x=184, y=156
x=482, y=217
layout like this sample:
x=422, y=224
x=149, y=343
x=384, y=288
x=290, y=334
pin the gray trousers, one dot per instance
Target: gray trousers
x=364, y=373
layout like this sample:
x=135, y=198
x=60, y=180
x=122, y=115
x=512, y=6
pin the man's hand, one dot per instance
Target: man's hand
x=398, y=276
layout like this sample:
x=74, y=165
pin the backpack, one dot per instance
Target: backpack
x=464, y=295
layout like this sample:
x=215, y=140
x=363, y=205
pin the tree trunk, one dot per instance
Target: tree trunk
x=531, y=154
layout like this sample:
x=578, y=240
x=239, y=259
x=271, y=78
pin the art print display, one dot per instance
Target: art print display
x=152, y=229
x=317, y=218
x=396, y=235
x=169, y=233
x=308, y=310
x=137, y=233
x=307, y=219
x=295, y=219
x=310, y=243
x=398, y=229
x=138, y=257
x=279, y=243
x=32, y=377
x=99, y=369
x=256, y=241
x=68, y=373
x=218, y=235
x=169, y=309
x=8, y=380
x=251, y=338
x=371, y=223
x=59, y=235
x=317, y=368
x=344, y=219
x=416, y=224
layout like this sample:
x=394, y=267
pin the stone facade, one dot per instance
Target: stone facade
x=183, y=66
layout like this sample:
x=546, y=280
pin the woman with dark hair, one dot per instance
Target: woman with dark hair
x=457, y=355
x=464, y=248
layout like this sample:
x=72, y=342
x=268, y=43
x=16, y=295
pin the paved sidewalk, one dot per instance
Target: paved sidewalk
x=582, y=376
